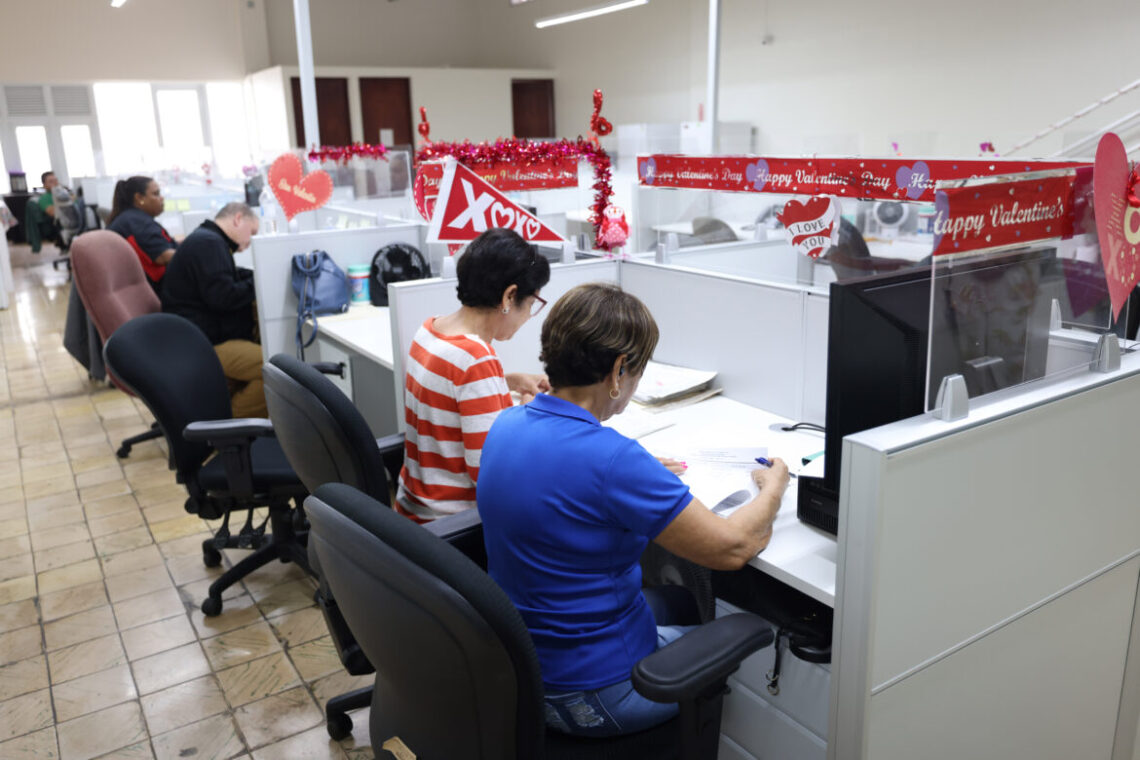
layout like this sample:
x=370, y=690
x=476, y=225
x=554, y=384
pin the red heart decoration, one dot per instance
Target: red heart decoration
x=1117, y=223
x=811, y=226
x=294, y=193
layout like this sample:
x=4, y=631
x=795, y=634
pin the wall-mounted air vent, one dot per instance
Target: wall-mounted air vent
x=25, y=100
x=70, y=100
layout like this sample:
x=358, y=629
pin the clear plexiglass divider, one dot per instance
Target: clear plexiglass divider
x=1017, y=287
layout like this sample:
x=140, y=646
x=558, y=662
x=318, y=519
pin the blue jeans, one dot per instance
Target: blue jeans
x=614, y=709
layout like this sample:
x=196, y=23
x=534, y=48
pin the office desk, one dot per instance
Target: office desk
x=798, y=555
x=361, y=339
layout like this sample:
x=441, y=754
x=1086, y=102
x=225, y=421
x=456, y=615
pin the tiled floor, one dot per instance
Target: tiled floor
x=103, y=650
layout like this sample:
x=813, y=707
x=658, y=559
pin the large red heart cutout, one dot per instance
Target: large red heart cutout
x=294, y=193
x=1117, y=223
x=811, y=226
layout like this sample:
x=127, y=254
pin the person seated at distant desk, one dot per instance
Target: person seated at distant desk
x=850, y=256
x=136, y=203
x=46, y=200
x=40, y=224
x=203, y=284
x=568, y=507
x=455, y=385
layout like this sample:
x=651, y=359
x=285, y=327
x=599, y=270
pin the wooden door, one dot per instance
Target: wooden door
x=332, y=111
x=386, y=103
x=532, y=105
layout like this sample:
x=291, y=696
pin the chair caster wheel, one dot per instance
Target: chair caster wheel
x=211, y=557
x=211, y=606
x=339, y=726
x=123, y=452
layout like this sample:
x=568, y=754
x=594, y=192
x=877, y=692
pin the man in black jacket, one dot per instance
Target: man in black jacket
x=203, y=284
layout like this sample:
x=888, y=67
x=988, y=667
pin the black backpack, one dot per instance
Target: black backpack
x=396, y=262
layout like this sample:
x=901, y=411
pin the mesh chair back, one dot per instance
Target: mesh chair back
x=167, y=362
x=324, y=437
x=457, y=672
x=110, y=281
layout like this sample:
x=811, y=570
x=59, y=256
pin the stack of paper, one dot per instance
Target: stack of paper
x=667, y=382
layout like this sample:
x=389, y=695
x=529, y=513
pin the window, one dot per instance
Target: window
x=229, y=131
x=34, y=157
x=180, y=117
x=4, y=186
x=127, y=126
x=77, y=150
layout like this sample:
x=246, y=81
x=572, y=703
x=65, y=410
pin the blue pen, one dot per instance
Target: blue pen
x=768, y=463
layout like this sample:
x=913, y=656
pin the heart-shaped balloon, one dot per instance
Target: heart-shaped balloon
x=905, y=174
x=1117, y=222
x=757, y=174
x=811, y=226
x=297, y=193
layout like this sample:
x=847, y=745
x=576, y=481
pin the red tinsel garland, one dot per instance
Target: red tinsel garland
x=525, y=153
x=342, y=153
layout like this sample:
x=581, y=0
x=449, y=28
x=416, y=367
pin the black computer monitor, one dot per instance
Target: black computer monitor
x=993, y=329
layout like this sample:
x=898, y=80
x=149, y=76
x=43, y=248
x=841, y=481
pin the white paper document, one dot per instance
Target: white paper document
x=661, y=382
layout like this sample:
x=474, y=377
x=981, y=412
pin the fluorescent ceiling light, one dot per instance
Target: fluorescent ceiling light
x=590, y=12
x=117, y=3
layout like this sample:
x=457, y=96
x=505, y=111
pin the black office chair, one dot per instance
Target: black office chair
x=460, y=677
x=167, y=362
x=326, y=440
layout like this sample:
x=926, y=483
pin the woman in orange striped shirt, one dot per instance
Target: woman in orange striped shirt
x=454, y=385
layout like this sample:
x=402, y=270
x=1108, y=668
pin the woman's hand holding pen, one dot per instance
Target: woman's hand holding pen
x=774, y=477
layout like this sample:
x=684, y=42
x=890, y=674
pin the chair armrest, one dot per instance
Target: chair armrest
x=702, y=658
x=464, y=531
x=233, y=439
x=391, y=444
x=392, y=454
x=329, y=368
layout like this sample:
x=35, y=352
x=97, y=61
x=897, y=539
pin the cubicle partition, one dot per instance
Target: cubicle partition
x=986, y=600
x=272, y=271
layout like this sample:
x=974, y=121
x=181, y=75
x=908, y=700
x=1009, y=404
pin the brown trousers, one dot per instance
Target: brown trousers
x=241, y=363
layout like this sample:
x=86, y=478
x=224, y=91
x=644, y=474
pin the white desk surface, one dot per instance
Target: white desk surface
x=744, y=231
x=910, y=248
x=364, y=329
x=798, y=555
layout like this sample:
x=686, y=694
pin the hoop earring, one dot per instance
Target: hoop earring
x=507, y=310
x=615, y=394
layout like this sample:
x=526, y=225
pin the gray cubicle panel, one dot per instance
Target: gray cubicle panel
x=272, y=271
x=759, y=337
x=413, y=302
x=986, y=599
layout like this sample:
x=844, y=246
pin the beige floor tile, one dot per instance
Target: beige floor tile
x=55, y=487
x=214, y=738
x=89, y=464
x=13, y=510
x=23, y=677
x=16, y=567
x=86, y=658
x=183, y=704
x=54, y=501
x=20, y=644
x=83, y=452
x=16, y=526
x=170, y=510
x=70, y=601
x=149, y=497
x=294, y=628
x=277, y=717
x=358, y=745
x=110, y=506
x=160, y=636
x=77, y=628
x=140, y=610
x=61, y=556
x=99, y=477
x=15, y=546
x=153, y=477
x=240, y=645
x=137, y=583
x=256, y=679
x=115, y=523
x=313, y=744
x=49, y=538
x=70, y=576
x=25, y=714
x=235, y=614
x=316, y=658
x=140, y=751
x=18, y=615
x=37, y=473
x=10, y=477
x=168, y=530
x=338, y=683
x=287, y=597
x=55, y=518
x=116, y=487
x=40, y=745
x=169, y=668
x=17, y=589
x=194, y=593
x=271, y=576
x=191, y=569
x=123, y=541
x=188, y=546
x=129, y=561
x=101, y=732
x=93, y=692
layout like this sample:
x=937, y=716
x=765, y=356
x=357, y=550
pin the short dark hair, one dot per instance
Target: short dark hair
x=493, y=262
x=45, y=175
x=589, y=328
x=235, y=208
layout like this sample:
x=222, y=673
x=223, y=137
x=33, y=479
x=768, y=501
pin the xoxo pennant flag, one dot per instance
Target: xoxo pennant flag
x=811, y=226
x=294, y=192
x=468, y=205
x=1117, y=220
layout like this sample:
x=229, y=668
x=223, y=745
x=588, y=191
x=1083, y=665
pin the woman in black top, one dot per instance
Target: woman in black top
x=137, y=202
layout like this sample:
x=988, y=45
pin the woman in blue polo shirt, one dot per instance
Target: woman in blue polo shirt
x=568, y=507
x=137, y=201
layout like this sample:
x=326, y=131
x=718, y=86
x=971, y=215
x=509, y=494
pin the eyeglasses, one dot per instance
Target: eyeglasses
x=538, y=305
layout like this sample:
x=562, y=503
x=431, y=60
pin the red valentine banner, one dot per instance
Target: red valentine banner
x=539, y=176
x=1117, y=219
x=294, y=193
x=468, y=205
x=998, y=214
x=874, y=178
